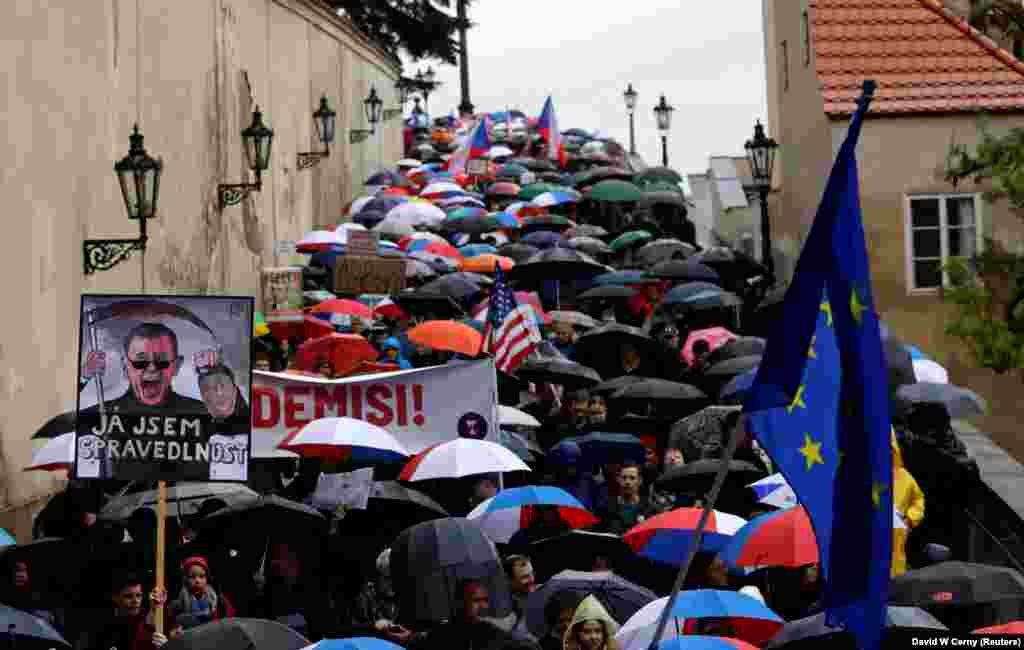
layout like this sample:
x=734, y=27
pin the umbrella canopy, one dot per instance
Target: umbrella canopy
x=486, y=263
x=609, y=292
x=926, y=370
x=354, y=643
x=239, y=634
x=956, y=583
x=387, y=179
x=475, y=250
x=638, y=632
x=697, y=475
x=543, y=239
x=623, y=278
x=452, y=286
x=603, y=447
x=574, y=318
x=546, y=222
x=345, y=440
x=660, y=537
x=698, y=642
x=784, y=538
x=701, y=435
x=658, y=174
x=514, y=509
x=596, y=175
x=715, y=337
x=1013, y=627
x=730, y=263
x=417, y=214
x=684, y=271
x=814, y=632
x=185, y=499
x=774, y=491
x=661, y=250
x=343, y=307
x=555, y=263
x=418, y=303
x=447, y=335
x=504, y=189
x=343, y=351
x=24, y=630
x=611, y=386
x=614, y=191
x=518, y=445
x=563, y=372
x=659, y=389
x=511, y=170
x=630, y=239
x=393, y=229
x=589, y=245
x=743, y=346
x=512, y=417
x=598, y=342
x=459, y=458
x=959, y=402
x=652, y=197
x=57, y=425
x=518, y=252
x=429, y=560
x=620, y=597
x=899, y=362
x=533, y=190
x=586, y=230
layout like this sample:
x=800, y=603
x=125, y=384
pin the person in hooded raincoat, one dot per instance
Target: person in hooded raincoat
x=908, y=499
x=592, y=628
x=392, y=352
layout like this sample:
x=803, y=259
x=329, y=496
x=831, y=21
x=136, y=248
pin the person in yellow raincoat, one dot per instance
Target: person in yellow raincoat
x=592, y=628
x=908, y=499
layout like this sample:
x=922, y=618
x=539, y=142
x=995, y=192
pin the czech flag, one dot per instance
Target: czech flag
x=476, y=146
x=547, y=126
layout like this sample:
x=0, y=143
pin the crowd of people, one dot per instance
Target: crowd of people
x=633, y=391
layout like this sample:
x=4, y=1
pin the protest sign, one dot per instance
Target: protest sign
x=348, y=490
x=355, y=276
x=362, y=243
x=420, y=407
x=282, y=294
x=164, y=388
x=478, y=167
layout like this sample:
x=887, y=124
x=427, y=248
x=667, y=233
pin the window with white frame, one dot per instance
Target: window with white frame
x=940, y=228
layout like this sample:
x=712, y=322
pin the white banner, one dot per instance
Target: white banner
x=420, y=407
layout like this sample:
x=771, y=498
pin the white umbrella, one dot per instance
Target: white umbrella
x=358, y=204
x=345, y=439
x=394, y=228
x=930, y=371
x=459, y=458
x=497, y=238
x=408, y=163
x=510, y=416
x=57, y=453
x=441, y=188
x=417, y=213
x=323, y=237
x=638, y=632
x=775, y=491
x=349, y=226
x=499, y=152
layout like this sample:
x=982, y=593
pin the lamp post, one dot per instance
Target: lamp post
x=663, y=113
x=373, y=106
x=324, y=119
x=426, y=82
x=403, y=88
x=761, y=156
x=630, y=97
x=465, y=106
x=138, y=174
x=256, y=139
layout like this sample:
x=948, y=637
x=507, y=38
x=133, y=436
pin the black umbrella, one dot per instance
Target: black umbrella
x=611, y=386
x=577, y=550
x=598, y=174
x=607, y=292
x=266, y=515
x=555, y=264
x=729, y=368
x=601, y=447
x=899, y=363
x=697, y=475
x=902, y=624
x=239, y=634
x=659, y=389
x=429, y=560
x=563, y=372
x=586, y=230
x=518, y=252
x=620, y=597
x=744, y=346
x=453, y=286
x=956, y=583
x=600, y=341
x=419, y=303
x=23, y=630
x=958, y=402
x=535, y=164
x=370, y=218
x=57, y=425
x=684, y=271
x=391, y=508
x=703, y=433
x=183, y=499
x=477, y=278
x=730, y=263
x=590, y=245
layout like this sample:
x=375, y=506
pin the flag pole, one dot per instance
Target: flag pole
x=709, y=505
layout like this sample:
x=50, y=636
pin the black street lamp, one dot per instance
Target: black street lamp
x=426, y=82
x=630, y=97
x=761, y=156
x=256, y=139
x=373, y=106
x=324, y=119
x=403, y=88
x=663, y=113
x=139, y=177
x=462, y=23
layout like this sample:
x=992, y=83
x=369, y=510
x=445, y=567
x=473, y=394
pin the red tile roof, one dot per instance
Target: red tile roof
x=925, y=59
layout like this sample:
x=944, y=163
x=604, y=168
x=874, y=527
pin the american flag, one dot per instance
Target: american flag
x=511, y=333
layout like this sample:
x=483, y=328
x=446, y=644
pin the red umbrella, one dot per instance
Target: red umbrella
x=388, y=309
x=1013, y=627
x=443, y=249
x=345, y=352
x=781, y=538
x=342, y=306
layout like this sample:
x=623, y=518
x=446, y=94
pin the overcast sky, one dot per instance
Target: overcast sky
x=707, y=58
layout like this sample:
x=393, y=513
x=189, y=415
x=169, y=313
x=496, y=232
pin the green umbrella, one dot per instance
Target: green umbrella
x=662, y=197
x=475, y=324
x=612, y=191
x=631, y=238
x=660, y=174
x=546, y=220
x=659, y=186
x=532, y=191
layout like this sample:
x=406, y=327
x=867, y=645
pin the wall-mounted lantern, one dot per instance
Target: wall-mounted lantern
x=257, y=139
x=373, y=107
x=325, y=120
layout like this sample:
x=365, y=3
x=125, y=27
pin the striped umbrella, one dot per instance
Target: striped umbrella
x=514, y=509
x=345, y=440
x=459, y=458
x=783, y=538
x=664, y=537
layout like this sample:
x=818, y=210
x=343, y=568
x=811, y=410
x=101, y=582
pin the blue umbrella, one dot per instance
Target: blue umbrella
x=915, y=353
x=389, y=178
x=543, y=239
x=506, y=220
x=472, y=250
x=6, y=539
x=355, y=643
x=600, y=447
x=717, y=298
x=684, y=292
x=622, y=278
x=735, y=392
x=959, y=402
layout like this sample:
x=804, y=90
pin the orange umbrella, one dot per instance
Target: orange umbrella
x=447, y=335
x=345, y=352
x=1013, y=627
x=485, y=263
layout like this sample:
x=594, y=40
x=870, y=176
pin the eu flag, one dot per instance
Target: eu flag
x=846, y=487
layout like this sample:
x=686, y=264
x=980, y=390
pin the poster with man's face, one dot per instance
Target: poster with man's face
x=164, y=388
x=282, y=294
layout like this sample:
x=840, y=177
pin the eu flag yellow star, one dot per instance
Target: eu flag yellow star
x=856, y=308
x=877, y=490
x=811, y=451
x=827, y=308
x=811, y=354
x=798, y=399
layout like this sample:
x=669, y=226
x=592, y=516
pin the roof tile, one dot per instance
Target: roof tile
x=924, y=58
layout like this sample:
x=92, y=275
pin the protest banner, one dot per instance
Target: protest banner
x=163, y=388
x=363, y=243
x=355, y=276
x=420, y=407
x=282, y=294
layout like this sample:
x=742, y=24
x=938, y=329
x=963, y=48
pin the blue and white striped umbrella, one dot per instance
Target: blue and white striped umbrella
x=513, y=509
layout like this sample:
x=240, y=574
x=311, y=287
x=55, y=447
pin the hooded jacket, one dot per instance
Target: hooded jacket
x=392, y=343
x=908, y=499
x=591, y=609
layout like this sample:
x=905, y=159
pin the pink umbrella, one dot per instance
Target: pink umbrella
x=716, y=337
x=523, y=298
